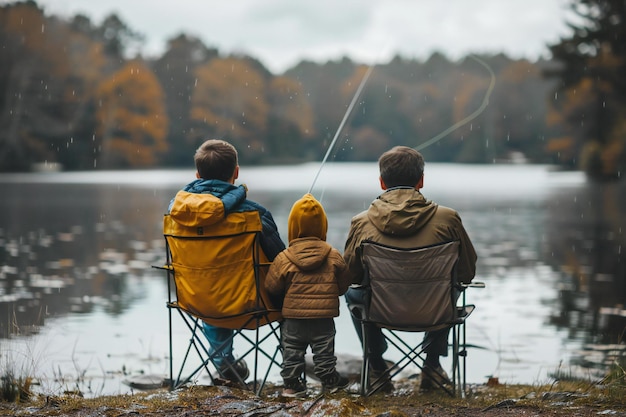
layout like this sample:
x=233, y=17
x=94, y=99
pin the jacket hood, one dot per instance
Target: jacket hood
x=308, y=253
x=401, y=211
x=307, y=219
x=206, y=202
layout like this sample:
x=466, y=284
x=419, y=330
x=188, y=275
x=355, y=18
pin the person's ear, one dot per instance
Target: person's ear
x=197, y=175
x=420, y=183
x=235, y=175
x=382, y=183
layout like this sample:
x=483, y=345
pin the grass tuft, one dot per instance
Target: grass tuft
x=15, y=388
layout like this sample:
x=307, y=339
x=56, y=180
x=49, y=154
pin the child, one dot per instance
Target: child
x=308, y=277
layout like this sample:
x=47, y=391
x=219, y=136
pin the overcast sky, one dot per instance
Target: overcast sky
x=280, y=33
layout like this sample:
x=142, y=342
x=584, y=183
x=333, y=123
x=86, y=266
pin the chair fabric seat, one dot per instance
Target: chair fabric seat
x=412, y=290
x=217, y=270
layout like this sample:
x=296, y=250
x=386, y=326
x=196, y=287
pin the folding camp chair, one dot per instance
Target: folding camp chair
x=217, y=271
x=412, y=290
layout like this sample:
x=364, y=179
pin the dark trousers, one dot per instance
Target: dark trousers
x=296, y=335
x=436, y=341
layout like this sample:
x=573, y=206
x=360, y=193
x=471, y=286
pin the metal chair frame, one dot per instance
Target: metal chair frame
x=256, y=321
x=411, y=353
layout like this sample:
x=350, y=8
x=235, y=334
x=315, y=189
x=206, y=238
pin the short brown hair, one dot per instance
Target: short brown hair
x=401, y=166
x=216, y=160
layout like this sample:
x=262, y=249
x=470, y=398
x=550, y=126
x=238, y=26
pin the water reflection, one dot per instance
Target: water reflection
x=76, y=251
x=67, y=248
x=587, y=241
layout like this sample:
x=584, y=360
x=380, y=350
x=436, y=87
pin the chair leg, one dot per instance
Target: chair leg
x=456, y=370
x=365, y=363
x=463, y=359
x=171, y=381
x=460, y=360
x=202, y=348
x=267, y=373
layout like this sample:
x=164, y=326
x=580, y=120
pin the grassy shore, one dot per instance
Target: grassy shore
x=561, y=398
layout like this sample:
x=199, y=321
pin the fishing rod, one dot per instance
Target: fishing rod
x=476, y=113
x=472, y=116
x=345, y=117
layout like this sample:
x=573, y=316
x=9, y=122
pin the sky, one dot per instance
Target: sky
x=281, y=33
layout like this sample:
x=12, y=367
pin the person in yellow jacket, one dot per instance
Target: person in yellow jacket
x=307, y=279
x=210, y=199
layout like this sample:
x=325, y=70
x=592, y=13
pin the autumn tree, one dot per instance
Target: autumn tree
x=85, y=56
x=291, y=120
x=176, y=71
x=323, y=86
x=378, y=120
x=131, y=119
x=591, y=72
x=33, y=70
x=117, y=37
x=229, y=102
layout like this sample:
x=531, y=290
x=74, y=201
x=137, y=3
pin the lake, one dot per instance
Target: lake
x=82, y=309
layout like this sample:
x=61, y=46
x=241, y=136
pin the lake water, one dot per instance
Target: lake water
x=82, y=309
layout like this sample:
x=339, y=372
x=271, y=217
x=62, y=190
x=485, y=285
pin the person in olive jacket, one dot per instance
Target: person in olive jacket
x=402, y=217
x=307, y=279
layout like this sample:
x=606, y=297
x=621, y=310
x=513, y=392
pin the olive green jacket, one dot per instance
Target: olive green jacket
x=404, y=218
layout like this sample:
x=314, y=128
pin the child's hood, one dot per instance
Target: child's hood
x=307, y=219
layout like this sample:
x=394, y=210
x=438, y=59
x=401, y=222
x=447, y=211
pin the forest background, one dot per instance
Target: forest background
x=71, y=98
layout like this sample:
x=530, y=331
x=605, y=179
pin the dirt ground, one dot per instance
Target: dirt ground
x=405, y=401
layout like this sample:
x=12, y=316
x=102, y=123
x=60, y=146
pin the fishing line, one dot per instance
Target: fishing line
x=472, y=116
x=345, y=117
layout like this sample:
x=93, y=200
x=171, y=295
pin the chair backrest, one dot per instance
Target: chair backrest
x=219, y=270
x=411, y=289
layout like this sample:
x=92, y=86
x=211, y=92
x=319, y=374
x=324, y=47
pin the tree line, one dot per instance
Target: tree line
x=69, y=95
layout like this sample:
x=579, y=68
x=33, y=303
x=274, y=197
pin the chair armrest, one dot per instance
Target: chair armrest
x=164, y=267
x=474, y=284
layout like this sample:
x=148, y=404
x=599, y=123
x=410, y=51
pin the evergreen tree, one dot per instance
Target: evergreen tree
x=591, y=95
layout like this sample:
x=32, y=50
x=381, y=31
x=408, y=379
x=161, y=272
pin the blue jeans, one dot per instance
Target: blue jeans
x=436, y=341
x=220, y=344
